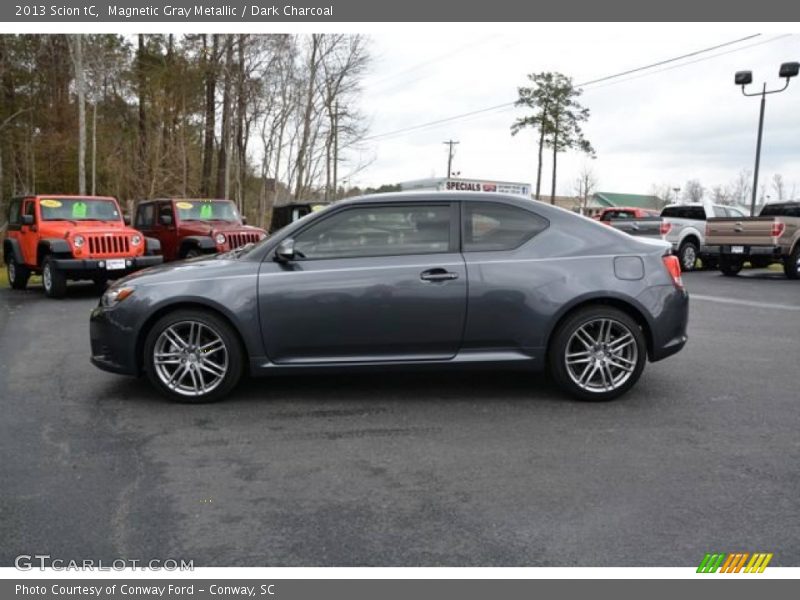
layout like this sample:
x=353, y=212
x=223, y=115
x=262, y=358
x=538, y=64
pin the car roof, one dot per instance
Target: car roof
x=83, y=196
x=427, y=196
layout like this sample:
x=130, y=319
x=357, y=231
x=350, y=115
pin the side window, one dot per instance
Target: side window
x=165, y=210
x=378, y=231
x=14, y=212
x=492, y=226
x=697, y=212
x=29, y=208
x=145, y=216
x=720, y=212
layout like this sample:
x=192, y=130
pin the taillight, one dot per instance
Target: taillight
x=673, y=266
x=778, y=228
x=665, y=227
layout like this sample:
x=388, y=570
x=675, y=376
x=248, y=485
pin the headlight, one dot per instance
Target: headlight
x=78, y=241
x=261, y=236
x=220, y=239
x=115, y=295
x=136, y=240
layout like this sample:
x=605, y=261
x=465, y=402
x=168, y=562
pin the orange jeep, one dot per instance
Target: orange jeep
x=72, y=237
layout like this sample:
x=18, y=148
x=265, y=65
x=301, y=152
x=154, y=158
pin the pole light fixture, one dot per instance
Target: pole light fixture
x=745, y=78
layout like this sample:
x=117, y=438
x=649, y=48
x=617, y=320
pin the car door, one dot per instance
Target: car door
x=166, y=230
x=29, y=238
x=370, y=282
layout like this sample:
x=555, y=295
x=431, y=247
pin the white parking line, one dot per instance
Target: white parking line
x=750, y=303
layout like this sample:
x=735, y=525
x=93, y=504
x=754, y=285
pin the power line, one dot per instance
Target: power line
x=582, y=84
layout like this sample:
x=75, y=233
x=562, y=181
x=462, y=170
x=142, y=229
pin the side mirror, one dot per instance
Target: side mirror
x=244, y=220
x=285, y=251
x=126, y=219
x=165, y=220
x=27, y=219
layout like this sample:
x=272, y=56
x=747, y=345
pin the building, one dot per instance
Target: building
x=441, y=184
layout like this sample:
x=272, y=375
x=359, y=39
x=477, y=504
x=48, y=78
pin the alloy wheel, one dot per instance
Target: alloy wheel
x=190, y=358
x=601, y=355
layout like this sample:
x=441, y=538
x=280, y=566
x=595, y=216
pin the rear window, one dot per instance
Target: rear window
x=781, y=210
x=685, y=212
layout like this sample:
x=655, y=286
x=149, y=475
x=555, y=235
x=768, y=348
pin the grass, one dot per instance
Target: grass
x=3, y=278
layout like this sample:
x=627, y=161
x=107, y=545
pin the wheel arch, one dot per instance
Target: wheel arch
x=217, y=311
x=202, y=242
x=626, y=305
x=11, y=248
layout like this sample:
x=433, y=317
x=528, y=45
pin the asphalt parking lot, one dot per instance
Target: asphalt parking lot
x=437, y=469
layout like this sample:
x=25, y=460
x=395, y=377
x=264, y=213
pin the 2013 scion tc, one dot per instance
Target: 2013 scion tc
x=447, y=279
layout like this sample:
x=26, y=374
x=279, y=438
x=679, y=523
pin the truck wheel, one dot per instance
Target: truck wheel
x=193, y=356
x=597, y=354
x=791, y=264
x=688, y=256
x=18, y=274
x=53, y=280
x=730, y=266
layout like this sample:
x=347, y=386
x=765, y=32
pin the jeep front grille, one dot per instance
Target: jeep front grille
x=109, y=245
x=235, y=240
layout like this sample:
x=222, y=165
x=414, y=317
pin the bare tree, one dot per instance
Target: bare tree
x=585, y=185
x=693, y=191
x=778, y=187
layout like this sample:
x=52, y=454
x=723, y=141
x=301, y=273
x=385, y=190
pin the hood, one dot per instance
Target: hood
x=213, y=227
x=203, y=267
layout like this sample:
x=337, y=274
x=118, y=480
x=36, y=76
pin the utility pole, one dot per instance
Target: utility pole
x=450, y=151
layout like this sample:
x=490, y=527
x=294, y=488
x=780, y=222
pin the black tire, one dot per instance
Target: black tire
x=710, y=264
x=791, y=264
x=18, y=275
x=730, y=266
x=687, y=256
x=566, y=335
x=178, y=320
x=192, y=252
x=53, y=280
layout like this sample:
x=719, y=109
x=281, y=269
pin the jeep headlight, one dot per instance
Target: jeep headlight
x=114, y=296
x=136, y=240
x=78, y=241
x=220, y=239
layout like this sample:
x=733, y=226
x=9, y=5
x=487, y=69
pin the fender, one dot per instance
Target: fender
x=203, y=242
x=55, y=246
x=11, y=247
x=152, y=246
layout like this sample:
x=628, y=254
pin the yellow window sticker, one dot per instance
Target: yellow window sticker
x=184, y=205
x=50, y=203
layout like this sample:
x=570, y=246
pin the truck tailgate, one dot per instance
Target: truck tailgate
x=750, y=231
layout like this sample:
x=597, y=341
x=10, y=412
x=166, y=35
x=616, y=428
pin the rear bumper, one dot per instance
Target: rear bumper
x=766, y=251
x=77, y=268
x=670, y=321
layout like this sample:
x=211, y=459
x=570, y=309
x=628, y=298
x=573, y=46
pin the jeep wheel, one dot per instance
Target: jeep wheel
x=688, y=256
x=192, y=252
x=597, y=354
x=53, y=280
x=18, y=274
x=193, y=356
x=730, y=266
x=791, y=264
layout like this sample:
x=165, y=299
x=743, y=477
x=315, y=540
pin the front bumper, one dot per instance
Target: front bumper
x=113, y=341
x=87, y=268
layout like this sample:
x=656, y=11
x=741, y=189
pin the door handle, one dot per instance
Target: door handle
x=437, y=275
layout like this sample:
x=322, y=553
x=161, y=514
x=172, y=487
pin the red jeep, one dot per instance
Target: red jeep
x=187, y=228
x=72, y=237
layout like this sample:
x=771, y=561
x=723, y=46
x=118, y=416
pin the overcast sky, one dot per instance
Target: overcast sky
x=665, y=127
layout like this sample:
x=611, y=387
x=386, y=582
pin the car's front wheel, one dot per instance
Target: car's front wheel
x=688, y=256
x=193, y=356
x=598, y=353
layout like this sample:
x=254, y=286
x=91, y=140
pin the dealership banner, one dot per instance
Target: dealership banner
x=265, y=11
x=371, y=589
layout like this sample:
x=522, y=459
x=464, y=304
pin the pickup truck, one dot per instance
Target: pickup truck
x=684, y=226
x=639, y=222
x=771, y=237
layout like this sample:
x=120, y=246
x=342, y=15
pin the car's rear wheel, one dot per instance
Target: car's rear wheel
x=791, y=264
x=18, y=275
x=688, y=256
x=730, y=266
x=598, y=353
x=193, y=356
x=53, y=280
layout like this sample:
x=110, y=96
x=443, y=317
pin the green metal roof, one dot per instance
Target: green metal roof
x=635, y=200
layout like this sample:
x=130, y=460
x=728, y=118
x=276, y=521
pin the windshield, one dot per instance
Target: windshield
x=206, y=210
x=78, y=209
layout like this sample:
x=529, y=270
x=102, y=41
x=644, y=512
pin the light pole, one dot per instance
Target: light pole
x=676, y=190
x=744, y=78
